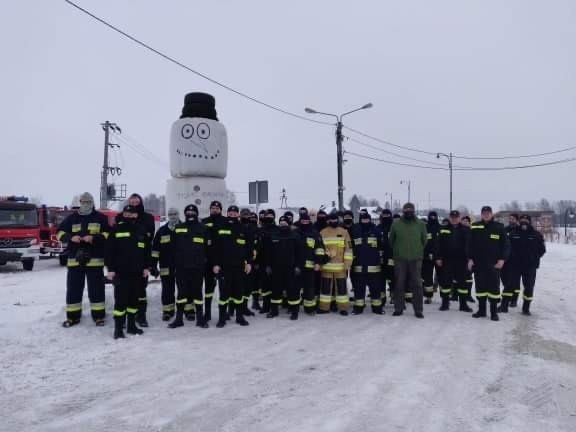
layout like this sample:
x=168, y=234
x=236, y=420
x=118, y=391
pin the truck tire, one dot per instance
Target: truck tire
x=200, y=98
x=28, y=264
x=63, y=260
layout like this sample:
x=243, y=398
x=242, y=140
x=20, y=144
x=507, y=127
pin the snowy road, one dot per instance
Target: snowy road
x=448, y=372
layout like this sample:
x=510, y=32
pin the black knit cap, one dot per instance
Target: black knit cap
x=191, y=207
x=386, y=212
x=216, y=204
x=333, y=216
x=305, y=217
x=233, y=208
x=486, y=209
x=130, y=209
x=454, y=213
x=271, y=212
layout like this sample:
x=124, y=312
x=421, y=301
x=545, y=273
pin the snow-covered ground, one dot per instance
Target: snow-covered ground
x=445, y=373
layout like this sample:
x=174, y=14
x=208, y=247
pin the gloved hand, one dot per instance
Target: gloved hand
x=297, y=271
x=268, y=270
x=154, y=271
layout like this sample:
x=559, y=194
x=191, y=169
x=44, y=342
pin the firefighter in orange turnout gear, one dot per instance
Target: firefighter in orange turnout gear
x=338, y=248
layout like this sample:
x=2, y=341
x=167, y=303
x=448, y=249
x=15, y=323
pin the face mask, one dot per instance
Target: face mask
x=232, y=220
x=305, y=226
x=245, y=221
x=321, y=220
x=284, y=227
x=192, y=217
x=348, y=222
x=385, y=220
x=408, y=215
x=333, y=223
x=524, y=225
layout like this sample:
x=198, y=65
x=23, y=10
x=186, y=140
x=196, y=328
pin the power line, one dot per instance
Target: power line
x=516, y=157
x=390, y=143
x=505, y=168
x=188, y=68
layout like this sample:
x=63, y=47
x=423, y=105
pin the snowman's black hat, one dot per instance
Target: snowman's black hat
x=199, y=105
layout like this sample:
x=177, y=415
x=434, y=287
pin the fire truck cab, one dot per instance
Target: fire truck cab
x=19, y=232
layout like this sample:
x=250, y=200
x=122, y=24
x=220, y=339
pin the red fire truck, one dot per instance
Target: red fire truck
x=20, y=227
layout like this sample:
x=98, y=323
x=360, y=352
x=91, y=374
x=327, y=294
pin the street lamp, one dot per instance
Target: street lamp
x=569, y=213
x=449, y=157
x=409, y=183
x=391, y=202
x=339, y=138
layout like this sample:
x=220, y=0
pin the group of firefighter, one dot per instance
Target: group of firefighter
x=263, y=266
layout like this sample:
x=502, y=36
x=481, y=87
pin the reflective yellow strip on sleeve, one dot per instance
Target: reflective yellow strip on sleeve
x=72, y=262
x=445, y=231
x=198, y=240
x=374, y=269
x=164, y=271
x=105, y=234
x=122, y=234
x=390, y=262
x=429, y=236
x=181, y=230
x=477, y=227
x=241, y=241
x=320, y=252
x=60, y=235
x=155, y=254
x=96, y=262
x=76, y=228
x=310, y=242
x=224, y=232
x=358, y=241
x=495, y=236
x=165, y=239
x=209, y=224
x=141, y=245
x=348, y=256
x=94, y=228
x=309, y=264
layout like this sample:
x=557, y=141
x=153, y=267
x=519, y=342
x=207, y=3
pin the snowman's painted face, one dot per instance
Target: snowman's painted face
x=198, y=147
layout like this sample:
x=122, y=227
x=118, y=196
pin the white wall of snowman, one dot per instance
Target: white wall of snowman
x=198, y=156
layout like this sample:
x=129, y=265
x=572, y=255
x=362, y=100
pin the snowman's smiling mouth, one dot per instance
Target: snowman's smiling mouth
x=197, y=155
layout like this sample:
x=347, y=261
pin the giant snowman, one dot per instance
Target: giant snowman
x=198, y=156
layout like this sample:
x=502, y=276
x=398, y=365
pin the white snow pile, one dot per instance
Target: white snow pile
x=448, y=372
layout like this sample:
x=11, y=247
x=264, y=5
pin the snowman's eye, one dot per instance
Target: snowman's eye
x=203, y=131
x=187, y=131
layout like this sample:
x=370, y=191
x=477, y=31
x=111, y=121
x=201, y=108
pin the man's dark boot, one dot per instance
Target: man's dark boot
x=273, y=311
x=200, y=321
x=179, y=320
x=378, y=310
x=240, y=320
x=189, y=312
x=255, y=302
x=294, y=310
x=514, y=301
x=222, y=315
x=131, y=326
x=454, y=295
x=357, y=310
x=207, y=309
x=526, y=307
x=231, y=307
x=481, y=313
x=119, y=326
x=494, y=310
x=445, y=304
x=265, y=305
x=141, y=314
x=503, y=308
x=464, y=304
x=246, y=310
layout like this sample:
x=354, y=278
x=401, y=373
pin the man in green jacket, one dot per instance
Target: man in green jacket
x=408, y=237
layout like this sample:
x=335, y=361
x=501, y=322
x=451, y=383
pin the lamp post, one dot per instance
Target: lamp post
x=409, y=183
x=569, y=213
x=339, y=152
x=391, y=202
x=449, y=157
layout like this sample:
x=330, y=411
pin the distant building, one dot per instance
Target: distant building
x=542, y=220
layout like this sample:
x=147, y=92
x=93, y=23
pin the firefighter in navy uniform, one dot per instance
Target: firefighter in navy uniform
x=527, y=247
x=284, y=251
x=312, y=256
x=147, y=221
x=433, y=228
x=128, y=259
x=85, y=231
x=451, y=262
x=163, y=254
x=214, y=222
x=191, y=244
x=348, y=221
x=513, y=223
x=366, y=267
x=265, y=282
x=487, y=249
x=232, y=261
x=466, y=221
x=251, y=279
x=387, y=259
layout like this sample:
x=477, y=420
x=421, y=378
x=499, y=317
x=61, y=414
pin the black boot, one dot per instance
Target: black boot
x=231, y=306
x=119, y=326
x=378, y=310
x=464, y=304
x=454, y=296
x=481, y=313
x=255, y=302
x=526, y=307
x=141, y=314
x=333, y=306
x=240, y=320
x=428, y=300
x=503, y=308
x=294, y=310
x=265, y=305
x=189, y=312
x=445, y=304
x=131, y=326
x=470, y=299
x=514, y=301
x=167, y=315
x=207, y=309
x=200, y=321
x=179, y=320
x=494, y=310
x=222, y=314
x=357, y=310
x=246, y=310
x=273, y=311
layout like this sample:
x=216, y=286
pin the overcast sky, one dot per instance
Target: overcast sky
x=477, y=78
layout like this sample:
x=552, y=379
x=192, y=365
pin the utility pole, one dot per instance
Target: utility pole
x=106, y=169
x=409, y=183
x=450, y=157
x=339, y=156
